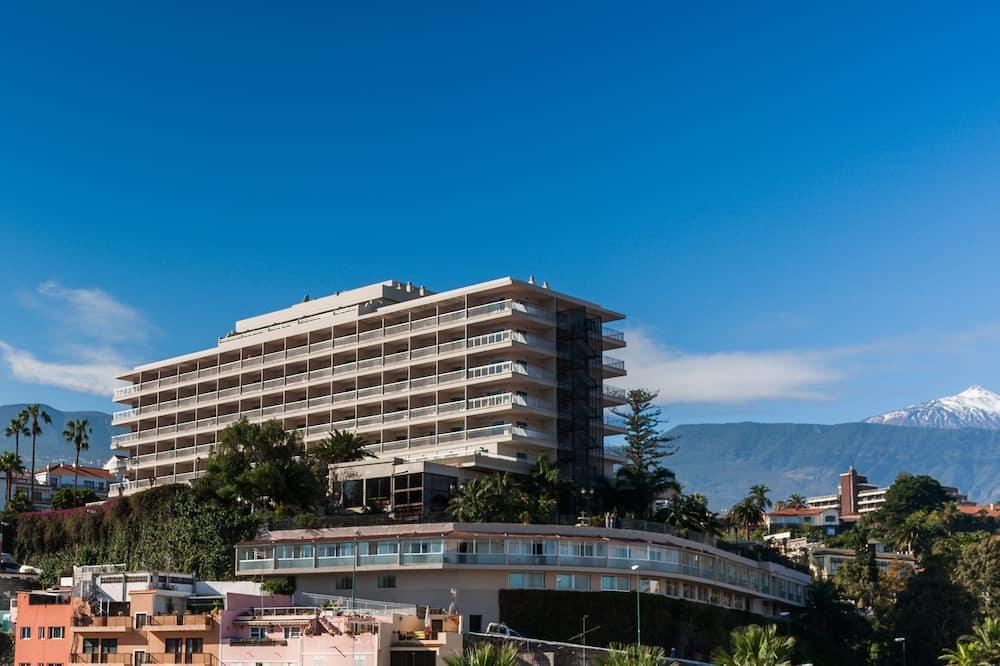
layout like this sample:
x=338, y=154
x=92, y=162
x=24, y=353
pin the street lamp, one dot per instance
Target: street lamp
x=638, y=615
x=900, y=639
x=785, y=615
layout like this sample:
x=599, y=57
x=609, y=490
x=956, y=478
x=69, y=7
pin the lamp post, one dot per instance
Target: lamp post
x=901, y=639
x=784, y=615
x=638, y=614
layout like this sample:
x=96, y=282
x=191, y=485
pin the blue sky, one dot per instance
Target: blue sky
x=796, y=206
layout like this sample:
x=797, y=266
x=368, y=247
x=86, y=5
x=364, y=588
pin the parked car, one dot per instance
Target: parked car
x=501, y=629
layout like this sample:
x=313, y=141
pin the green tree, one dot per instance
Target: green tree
x=77, y=433
x=10, y=465
x=484, y=654
x=691, y=512
x=978, y=571
x=492, y=498
x=340, y=446
x=756, y=646
x=67, y=498
x=34, y=416
x=794, y=501
x=547, y=485
x=931, y=612
x=17, y=428
x=260, y=467
x=19, y=503
x=643, y=475
x=981, y=648
x=909, y=494
x=747, y=514
x=832, y=630
x=758, y=494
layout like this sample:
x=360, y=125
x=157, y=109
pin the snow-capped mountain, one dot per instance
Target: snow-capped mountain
x=975, y=407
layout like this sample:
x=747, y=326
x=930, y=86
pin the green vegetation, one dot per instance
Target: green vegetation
x=169, y=528
x=68, y=498
x=632, y=655
x=263, y=468
x=11, y=466
x=643, y=477
x=17, y=428
x=981, y=648
x=339, y=446
x=484, y=654
x=756, y=646
x=505, y=498
x=690, y=513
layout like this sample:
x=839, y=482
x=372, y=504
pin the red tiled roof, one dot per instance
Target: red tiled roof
x=95, y=472
x=992, y=510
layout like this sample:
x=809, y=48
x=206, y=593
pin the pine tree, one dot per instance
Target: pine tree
x=644, y=477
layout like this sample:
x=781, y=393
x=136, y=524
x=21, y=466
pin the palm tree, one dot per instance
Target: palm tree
x=982, y=648
x=10, y=465
x=339, y=446
x=756, y=646
x=758, y=493
x=964, y=654
x=77, y=433
x=17, y=428
x=795, y=501
x=746, y=513
x=33, y=414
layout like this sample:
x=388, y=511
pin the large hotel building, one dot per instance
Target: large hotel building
x=440, y=386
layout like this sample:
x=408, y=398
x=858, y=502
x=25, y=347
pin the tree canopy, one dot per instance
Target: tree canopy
x=643, y=477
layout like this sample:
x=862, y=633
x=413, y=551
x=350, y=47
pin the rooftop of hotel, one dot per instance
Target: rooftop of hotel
x=386, y=297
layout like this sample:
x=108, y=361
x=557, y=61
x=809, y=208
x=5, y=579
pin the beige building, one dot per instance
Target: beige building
x=425, y=561
x=441, y=385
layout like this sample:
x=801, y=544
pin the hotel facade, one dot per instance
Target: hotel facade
x=441, y=386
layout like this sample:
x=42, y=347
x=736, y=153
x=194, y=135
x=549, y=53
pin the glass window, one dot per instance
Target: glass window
x=57, y=632
x=580, y=582
x=25, y=633
x=293, y=632
x=345, y=582
x=295, y=551
x=619, y=551
x=385, y=582
x=422, y=546
x=258, y=633
x=619, y=583
x=344, y=549
x=525, y=580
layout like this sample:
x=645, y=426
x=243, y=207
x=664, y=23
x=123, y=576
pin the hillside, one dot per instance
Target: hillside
x=723, y=460
x=51, y=446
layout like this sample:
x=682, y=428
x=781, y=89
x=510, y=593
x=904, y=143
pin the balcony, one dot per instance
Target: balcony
x=181, y=658
x=500, y=308
x=613, y=367
x=179, y=622
x=613, y=339
x=102, y=624
x=120, y=658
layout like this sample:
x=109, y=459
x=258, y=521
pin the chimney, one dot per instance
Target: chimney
x=545, y=285
x=531, y=279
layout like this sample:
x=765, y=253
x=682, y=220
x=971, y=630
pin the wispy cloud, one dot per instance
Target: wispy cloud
x=91, y=331
x=94, y=376
x=731, y=376
x=90, y=312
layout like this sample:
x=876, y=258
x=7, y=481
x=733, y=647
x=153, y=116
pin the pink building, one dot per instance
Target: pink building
x=270, y=631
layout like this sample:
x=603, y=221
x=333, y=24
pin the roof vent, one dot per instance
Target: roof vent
x=545, y=285
x=531, y=279
x=409, y=286
x=421, y=290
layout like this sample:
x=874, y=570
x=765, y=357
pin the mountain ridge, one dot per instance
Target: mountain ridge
x=51, y=447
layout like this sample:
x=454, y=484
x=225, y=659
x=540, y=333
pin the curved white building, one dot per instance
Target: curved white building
x=422, y=562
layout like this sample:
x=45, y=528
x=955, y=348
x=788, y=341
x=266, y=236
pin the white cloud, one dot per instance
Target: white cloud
x=90, y=312
x=96, y=374
x=729, y=377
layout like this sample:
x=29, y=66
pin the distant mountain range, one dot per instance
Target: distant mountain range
x=51, y=447
x=975, y=407
x=724, y=460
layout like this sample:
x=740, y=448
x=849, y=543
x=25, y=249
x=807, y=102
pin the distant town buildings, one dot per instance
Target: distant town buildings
x=51, y=478
x=856, y=496
x=825, y=562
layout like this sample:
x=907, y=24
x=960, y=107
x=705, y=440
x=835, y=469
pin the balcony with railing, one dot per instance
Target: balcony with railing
x=506, y=307
x=339, y=371
x=498, y=370
x=102, y=623
x=613, y=367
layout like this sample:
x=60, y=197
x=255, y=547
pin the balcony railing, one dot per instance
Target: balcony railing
x=211, y=423
x=489, y=309
x=613, y=334
x=613, y=363
x=341, y=370
x=120, y=658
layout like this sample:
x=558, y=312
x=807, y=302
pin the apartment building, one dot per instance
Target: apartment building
x=51, y=478
x=825, y=562
x=856, y=496
x=441, y=386
x=426, y=561
x=106, y=615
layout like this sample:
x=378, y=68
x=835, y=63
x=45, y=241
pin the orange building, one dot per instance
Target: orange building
x=42, y=635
